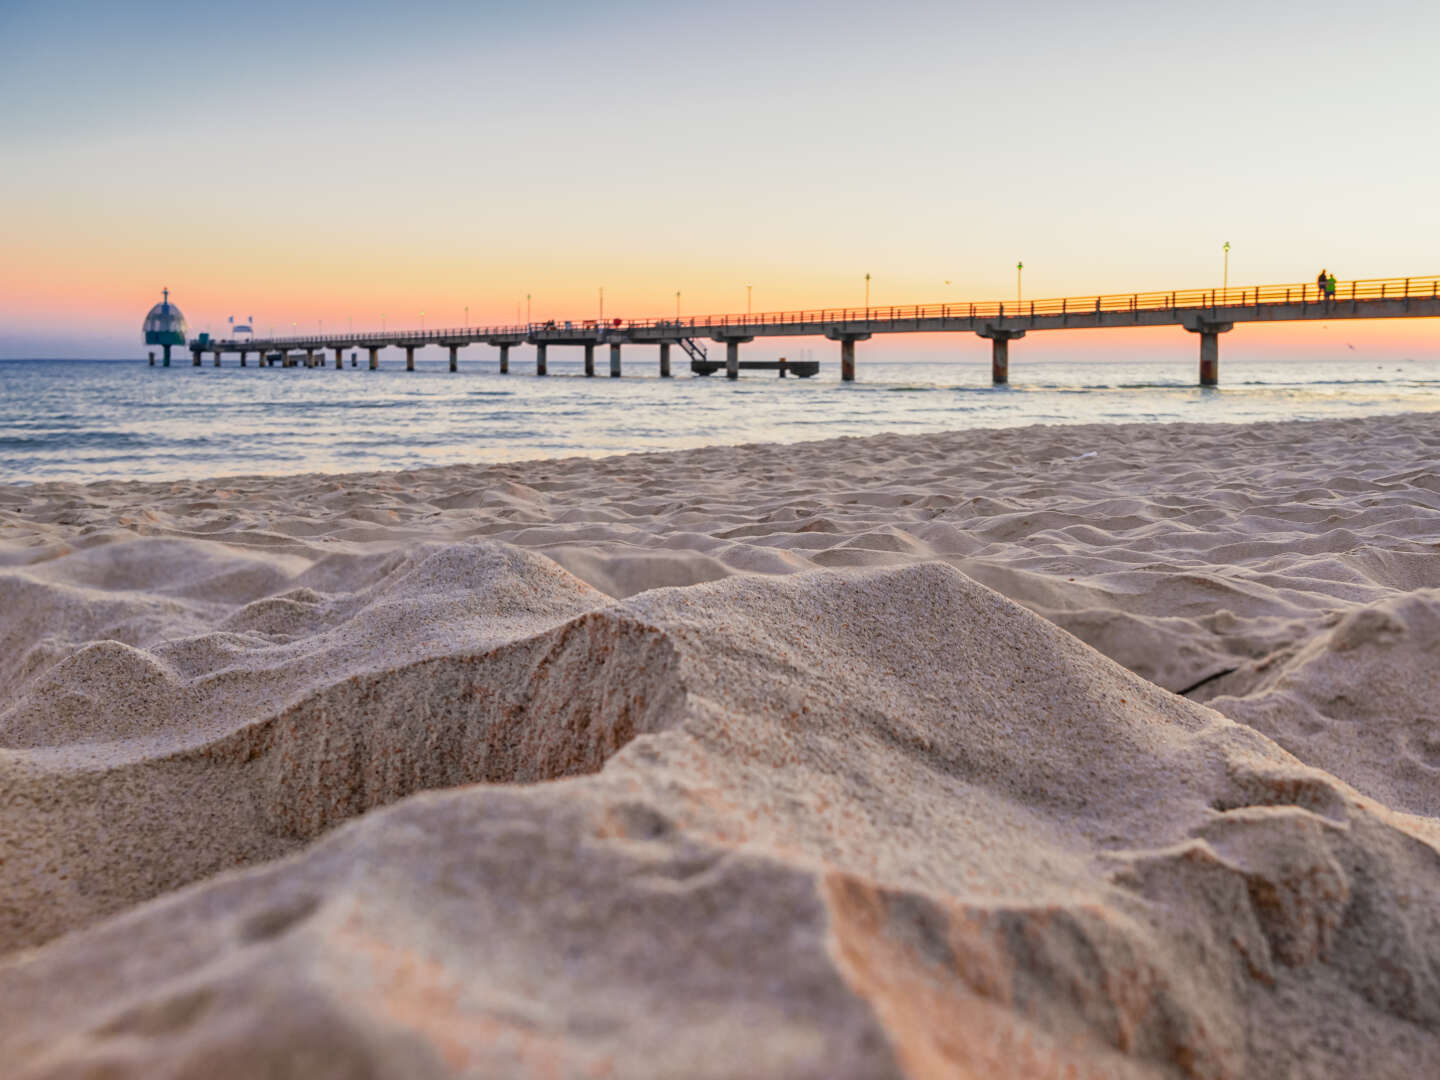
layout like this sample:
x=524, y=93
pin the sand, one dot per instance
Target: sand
x=1059, y=751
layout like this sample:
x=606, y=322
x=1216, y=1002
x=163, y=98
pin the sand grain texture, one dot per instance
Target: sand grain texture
x=861, y=758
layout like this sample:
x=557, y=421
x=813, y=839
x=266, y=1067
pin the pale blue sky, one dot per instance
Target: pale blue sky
x=312, y=159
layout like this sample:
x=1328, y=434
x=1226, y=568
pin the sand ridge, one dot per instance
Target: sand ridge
x=735, y=761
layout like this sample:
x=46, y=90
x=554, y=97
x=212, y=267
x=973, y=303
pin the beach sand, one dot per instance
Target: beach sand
x=1059, y=751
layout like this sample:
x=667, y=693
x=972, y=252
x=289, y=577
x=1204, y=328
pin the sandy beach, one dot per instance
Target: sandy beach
x=1090, y=751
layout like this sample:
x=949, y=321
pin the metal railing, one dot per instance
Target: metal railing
x=1253, y=296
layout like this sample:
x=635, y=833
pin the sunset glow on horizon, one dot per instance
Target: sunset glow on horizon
x=321, y=168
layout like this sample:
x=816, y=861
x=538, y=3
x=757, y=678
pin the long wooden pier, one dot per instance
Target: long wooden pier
x=1207, y=313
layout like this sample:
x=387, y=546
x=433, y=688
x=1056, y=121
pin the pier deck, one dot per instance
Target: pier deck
x=1204, y=312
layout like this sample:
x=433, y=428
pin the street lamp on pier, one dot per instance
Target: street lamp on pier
x=1226, y=280
x=867, y=292
x=677, y=305
x=467, y=316
x=1019, y=292
x=527, y=309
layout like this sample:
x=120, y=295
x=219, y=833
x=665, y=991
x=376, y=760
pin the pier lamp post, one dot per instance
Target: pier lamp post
x=748, y=287
x=527, y=309
x=677, y=305
x=467, y=316
x=1226, y=280
x=1019, y=292
x=867, y=292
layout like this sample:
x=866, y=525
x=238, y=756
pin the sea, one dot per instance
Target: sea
x=86, y=420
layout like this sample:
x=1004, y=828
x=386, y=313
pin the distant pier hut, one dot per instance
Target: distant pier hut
x=243, y=333
x=164, y=326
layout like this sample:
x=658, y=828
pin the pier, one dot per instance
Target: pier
x=1206, y=313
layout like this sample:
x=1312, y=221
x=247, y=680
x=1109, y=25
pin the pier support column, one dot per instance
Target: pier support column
x=339, y=359
x=664, y=360
x=454, y=357
x=540, y=359
x=167, y=356
x=374, y=359
x=732, y=359
x=589, y=359
x=1000, y=339
x=614, y=359
x=242, y=357
x=194, y=357
x=847, y=351
x=504, y=359
x=1209, y=347
x=1000, y=360
x=409, y=357
x=152, y=357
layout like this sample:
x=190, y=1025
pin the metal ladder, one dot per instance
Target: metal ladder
x=693, y=347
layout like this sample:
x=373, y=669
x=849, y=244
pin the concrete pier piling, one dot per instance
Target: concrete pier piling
x=374, y=359
x=454, y=357
x=1209, y=331
x=242, y=357
x=590, y=359
x=847, y=341
x=732, y=352
x=540, y=359
x=409, y=357
x=665, y=359
x=339, y=358
x=195, y=357
x=614, y=359
x=1000, y=338
x=504, y=359
x=152, y=357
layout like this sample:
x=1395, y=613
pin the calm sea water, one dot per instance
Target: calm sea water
x=90, y=420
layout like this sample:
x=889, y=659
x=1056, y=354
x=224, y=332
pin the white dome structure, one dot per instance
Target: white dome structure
x=164, y=326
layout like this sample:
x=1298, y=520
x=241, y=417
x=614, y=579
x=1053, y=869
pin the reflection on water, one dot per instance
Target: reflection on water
x=87, y=420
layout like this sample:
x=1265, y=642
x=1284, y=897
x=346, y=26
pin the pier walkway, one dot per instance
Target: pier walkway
x=1207, y=313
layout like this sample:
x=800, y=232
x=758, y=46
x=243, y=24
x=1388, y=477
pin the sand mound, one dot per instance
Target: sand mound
x=734, y=763
x=1360, y=700
x=957, y=842
x=132, y=771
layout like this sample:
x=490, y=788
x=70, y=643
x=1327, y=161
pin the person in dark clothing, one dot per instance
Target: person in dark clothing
x=1322, y=279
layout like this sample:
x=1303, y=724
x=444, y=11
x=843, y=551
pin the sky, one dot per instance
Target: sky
x=330, y=164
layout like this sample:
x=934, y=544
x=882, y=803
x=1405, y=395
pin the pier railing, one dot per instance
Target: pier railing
x=1251, y=296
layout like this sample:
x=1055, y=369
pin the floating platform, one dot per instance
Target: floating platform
x=801, y=369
